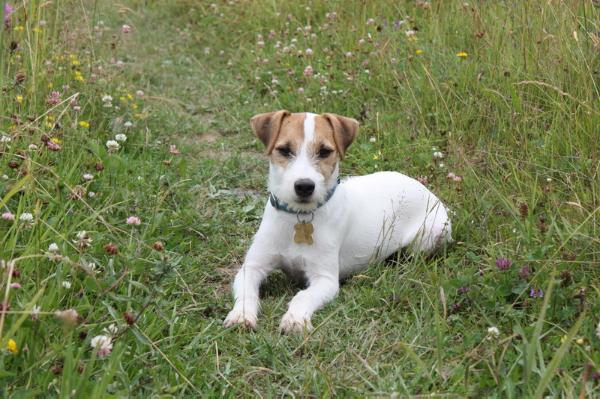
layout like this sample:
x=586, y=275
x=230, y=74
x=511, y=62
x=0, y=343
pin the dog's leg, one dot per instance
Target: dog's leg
x=246, y=288
x=321, y=290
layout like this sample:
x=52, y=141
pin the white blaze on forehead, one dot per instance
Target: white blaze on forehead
x=309, y=128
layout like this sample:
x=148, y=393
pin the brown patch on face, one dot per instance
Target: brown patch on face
x=289, y=141
x=323, y=148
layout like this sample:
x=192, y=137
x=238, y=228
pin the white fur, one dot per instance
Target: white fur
x=367, y=219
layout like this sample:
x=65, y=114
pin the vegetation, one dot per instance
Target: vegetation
x=131, y=186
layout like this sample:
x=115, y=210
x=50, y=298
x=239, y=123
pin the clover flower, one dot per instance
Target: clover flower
x=503, y=263
x=533, y=293
x=26, y=217
x=102, y=344
x=8, y=216
x=308, y=71
x=112, y=146
x=88, y=176
x=35, y=312
x=68, y=316
x=133, y=221
x=53, y=248
x=126, y=29
x=492, y=333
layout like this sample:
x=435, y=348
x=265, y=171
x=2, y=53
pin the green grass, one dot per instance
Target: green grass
x=517, y=118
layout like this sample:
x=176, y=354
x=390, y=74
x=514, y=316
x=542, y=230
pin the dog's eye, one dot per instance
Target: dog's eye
x=285, y=151
x=324, y=152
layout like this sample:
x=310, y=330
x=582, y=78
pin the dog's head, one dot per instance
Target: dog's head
x=305, y=150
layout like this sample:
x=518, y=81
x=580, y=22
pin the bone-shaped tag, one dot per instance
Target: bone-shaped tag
x=303, y=233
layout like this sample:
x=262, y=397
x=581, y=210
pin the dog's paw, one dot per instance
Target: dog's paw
x=291, y=323
x=237, y=316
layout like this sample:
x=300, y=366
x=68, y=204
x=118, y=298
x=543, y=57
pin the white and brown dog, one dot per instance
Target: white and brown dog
x=323, y=230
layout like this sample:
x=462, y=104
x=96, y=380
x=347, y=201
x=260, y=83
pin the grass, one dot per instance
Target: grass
x=507, y=91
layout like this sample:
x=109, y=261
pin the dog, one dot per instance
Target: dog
x=321, y=230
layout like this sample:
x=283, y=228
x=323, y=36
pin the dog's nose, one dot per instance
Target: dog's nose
x=304, y=187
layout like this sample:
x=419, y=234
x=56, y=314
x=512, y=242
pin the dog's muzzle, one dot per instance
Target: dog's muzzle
x=304, y=188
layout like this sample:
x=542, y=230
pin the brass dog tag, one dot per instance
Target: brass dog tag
x=303, y=233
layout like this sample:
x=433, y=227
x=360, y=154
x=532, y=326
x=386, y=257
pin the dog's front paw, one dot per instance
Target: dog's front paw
x=238, y=316
x=292, y=322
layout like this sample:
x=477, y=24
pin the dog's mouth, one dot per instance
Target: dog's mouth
x=304, y=200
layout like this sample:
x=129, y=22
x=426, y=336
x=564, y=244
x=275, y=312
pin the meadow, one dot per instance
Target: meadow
x=131, y=186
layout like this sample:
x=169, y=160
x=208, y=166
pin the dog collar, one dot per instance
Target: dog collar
x=282, y=206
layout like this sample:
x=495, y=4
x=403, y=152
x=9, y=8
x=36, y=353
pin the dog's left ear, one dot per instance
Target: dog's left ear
x=344, y=131
x=266, y=127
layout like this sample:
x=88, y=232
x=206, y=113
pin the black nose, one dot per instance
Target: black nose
x=304, y=187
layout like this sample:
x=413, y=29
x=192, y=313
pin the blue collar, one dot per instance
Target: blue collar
x=282, y=206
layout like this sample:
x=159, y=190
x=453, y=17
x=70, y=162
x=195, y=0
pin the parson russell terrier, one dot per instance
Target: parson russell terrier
x=321, y=230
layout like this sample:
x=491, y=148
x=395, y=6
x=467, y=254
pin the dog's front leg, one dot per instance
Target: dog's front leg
x=321, y=290
x=246, y=286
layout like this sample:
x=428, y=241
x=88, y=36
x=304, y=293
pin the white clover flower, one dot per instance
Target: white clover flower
x=35, y=312
x=410, y=33
x=493, y=332
x=26, y=217
x=121, y=137
x=112, y=146
x=32, y=147
x=111, y=330
x=66, y=284
x=107, y=99
x=128, y=124
x=372, y=139
x=88, y=176
x=102, y=344
x=91, y=194
x=438, y=155
x=5, y=139
x=53, y=248
x=598, y=330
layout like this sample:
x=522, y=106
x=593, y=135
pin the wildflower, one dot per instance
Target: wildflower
x=410, y=33
x=300, y=90
x=107, y=101
x=78, y=77
x=15, y=286
x=111, y=330
x=462, y=54
x=53, y=98
x=5, y=139
x=32, y=147
x=525, y=272
x=52, y=145
x=533, y=293
x=308, y=52
x=120, y=137
x=370, y=21
x=26, y=217
x=128, y=124
x=598, y=330
x=454, y=177
x=84, y=124
x=8, y=10
x=83, y=240
x=463, y=290
x=372, y=139
x=419, y=52
x=88, y=176
x=126, y=29
x=102, y=344
x=173, y=149
x=158, y=246
x=91, y=194
x=438, y=155
x=503, y=263
x=111, y=248
x=35, y=312
x=493, y=332
x=53, y=248
x=8, y=216
x=66, y=284
x=580, y=341
x=112, y=146
x=68, y=316
x=133, y=221
x=139, y=93
x=11, y=346
x=308, y=71
x=19, y=99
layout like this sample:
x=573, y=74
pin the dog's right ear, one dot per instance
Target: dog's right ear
x=267, y=126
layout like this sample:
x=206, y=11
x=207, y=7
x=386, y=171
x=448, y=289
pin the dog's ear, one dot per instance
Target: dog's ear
x=344, y=131
x=266, y=127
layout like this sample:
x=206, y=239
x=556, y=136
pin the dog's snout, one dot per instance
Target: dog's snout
x=304, y=187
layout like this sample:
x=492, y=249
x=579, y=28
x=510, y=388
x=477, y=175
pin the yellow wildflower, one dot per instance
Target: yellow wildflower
x=19, y=28
x=37, y=29
x=419, y=52
x=50, y=85
x=580, y=341
x=55, y=140
x=134, y=106
x=79, y=77
x=129, y=96
x=75, y=62
x=19, y=99
x=84, y=124
x=11, y=346
x=462, y=54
